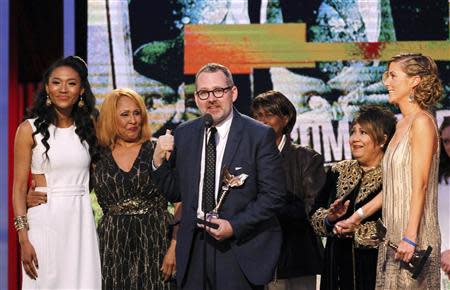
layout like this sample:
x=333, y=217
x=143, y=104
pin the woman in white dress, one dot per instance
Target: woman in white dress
x=444, y=202
x=58, y=239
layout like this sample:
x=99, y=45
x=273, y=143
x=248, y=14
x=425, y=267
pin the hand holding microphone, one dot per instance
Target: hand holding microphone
x=164, y=147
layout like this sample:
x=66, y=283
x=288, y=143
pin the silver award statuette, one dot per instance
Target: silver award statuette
x=418, y=259
x=228, y=181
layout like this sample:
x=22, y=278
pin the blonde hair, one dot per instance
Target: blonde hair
x=107, y=133
x=429, y=90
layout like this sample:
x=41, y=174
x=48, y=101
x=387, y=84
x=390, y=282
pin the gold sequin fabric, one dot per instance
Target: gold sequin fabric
x=317, y=222
x=366, y=235
x=132, y=206
x=350, y=173
x=397, y=188
x=132, y=232
x=371, y=181
x=350, y=176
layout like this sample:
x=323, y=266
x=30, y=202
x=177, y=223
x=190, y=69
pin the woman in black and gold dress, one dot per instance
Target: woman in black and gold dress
x=351, y=261
x=132, y=231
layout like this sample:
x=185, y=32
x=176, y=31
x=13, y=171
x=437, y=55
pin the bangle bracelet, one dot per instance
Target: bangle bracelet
x=21, y=222
x=405, y=239
x=361, y=213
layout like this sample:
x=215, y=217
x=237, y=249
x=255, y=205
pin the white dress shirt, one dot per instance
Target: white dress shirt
x=221, y=141
x=282, y=143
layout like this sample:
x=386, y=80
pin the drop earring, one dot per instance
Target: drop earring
x=81, y=102
x=48, y=102
x=411, y=98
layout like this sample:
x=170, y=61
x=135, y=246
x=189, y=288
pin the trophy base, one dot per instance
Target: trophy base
x=207, y=223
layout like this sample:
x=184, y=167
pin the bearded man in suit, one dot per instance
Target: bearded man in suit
x=242, y=252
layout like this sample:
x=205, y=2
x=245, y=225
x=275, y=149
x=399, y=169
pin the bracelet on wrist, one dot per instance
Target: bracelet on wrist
x=360, y=212
x=405, y=239
x=21, y=222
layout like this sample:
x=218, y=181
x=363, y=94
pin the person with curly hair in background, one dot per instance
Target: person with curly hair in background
x=410, y=176
x=58, y=239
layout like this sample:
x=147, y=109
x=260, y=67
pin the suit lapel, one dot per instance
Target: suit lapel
x=197, y=146
x=234, y=138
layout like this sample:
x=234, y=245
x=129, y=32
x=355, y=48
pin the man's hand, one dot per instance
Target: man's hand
x=163, y=149
x=224, y=231
x=35, y=198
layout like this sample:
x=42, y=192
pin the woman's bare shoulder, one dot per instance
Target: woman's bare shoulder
x=24, y=132
x=423, y=121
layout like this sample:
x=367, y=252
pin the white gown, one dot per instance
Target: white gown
x=63, y=231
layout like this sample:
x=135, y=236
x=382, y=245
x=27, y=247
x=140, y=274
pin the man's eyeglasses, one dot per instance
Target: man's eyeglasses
x=217, y=92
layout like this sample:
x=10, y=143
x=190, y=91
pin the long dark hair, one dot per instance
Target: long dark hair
x=444, y=162
x=83, y=116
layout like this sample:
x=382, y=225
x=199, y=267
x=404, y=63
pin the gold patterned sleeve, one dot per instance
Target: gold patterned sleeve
x=318, y=222
x=366, y=235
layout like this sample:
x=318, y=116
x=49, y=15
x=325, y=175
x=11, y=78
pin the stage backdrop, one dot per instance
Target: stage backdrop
x=326, y=56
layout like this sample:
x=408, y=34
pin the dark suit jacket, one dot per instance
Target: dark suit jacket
x=250, y=209
x=302, y=250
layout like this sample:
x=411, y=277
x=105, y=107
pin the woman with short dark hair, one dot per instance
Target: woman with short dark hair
x=351, y=260
x=301, y=253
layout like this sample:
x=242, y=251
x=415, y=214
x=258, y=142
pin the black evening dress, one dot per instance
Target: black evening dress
x=133, y=229
x=350, y=263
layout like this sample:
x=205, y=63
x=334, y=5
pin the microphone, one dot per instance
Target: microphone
x=208, y=120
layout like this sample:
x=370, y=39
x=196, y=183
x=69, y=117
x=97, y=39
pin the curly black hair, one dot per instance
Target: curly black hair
x=83, y=116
